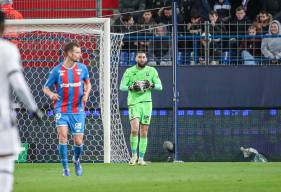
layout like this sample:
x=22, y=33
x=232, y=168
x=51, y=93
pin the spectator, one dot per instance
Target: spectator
x=195, y=24
x=125, y=24
x=240, y=23
x=165, y=17
x=262, y=22
x=155, y=5
x=271, y=45
x=216, y=44
x=223, y=7
x=11, y=13
x=194, y=28
x=160, y=48
x=251, y=47
x=145, y=25
x=274, y=8
x=238, y=29
x=234, y=4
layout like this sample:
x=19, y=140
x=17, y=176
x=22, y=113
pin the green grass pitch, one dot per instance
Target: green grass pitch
x=158, y=177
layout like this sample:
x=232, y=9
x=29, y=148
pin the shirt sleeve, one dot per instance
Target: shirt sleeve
x=125, y=81
x=13, y=63
x=52, y=79
x=156, y=81
x=16, y=78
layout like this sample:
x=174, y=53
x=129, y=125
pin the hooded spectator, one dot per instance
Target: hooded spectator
x=271, y=45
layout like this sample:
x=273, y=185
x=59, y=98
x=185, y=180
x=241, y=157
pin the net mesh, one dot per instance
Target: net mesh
x=41, y=49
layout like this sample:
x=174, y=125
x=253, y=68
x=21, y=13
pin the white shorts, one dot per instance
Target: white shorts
x=9, y=142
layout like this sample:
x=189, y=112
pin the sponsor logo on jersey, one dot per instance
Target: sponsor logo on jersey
x=70, y=84
x=78, y=125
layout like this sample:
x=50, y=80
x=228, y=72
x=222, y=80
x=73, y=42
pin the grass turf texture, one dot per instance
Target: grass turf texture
x=158, y=177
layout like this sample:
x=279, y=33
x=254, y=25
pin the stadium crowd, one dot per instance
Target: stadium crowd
x=210, y=31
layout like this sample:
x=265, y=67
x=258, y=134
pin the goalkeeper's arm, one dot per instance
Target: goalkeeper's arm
x=124, y=85
x=156, y=82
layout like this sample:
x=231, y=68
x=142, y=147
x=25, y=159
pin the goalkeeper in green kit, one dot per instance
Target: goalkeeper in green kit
x=139, y=81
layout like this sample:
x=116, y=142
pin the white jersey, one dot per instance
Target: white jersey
x=9, y=63
x=11, y=75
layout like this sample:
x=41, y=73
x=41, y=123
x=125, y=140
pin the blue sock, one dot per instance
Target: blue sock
x=77, y=152
x=63, y=155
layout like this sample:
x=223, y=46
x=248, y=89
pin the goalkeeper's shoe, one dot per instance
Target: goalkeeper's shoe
x=66, y=172
x=133, y=160
x=142, y=162
x=78, y=168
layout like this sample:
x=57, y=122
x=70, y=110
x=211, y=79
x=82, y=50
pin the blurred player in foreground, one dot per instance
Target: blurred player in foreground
x=139, y=81
x=11, y=74
x=72, y=88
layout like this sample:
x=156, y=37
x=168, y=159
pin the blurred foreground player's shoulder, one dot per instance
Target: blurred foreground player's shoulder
x=9, y=55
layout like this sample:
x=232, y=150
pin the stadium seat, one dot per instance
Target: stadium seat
x=124, y=58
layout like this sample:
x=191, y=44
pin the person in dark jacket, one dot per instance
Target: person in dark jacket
x=251, y=47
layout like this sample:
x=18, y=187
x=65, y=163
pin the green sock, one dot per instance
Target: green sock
x=142, y=147
x=134, y=144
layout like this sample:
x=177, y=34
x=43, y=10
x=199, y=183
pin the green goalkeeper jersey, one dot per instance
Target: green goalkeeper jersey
x=134, y=74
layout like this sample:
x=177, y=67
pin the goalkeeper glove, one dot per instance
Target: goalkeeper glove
x=148, y=85
x=135, y=87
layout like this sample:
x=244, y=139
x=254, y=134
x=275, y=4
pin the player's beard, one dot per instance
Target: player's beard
x=142, y=65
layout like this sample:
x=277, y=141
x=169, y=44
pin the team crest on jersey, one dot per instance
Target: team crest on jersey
x=78, y=71
x=147, y=74
x=61, y=72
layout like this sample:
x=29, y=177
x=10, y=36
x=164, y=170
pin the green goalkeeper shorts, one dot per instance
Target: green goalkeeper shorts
x=142, y=111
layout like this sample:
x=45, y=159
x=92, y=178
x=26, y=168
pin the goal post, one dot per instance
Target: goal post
x=38, y=40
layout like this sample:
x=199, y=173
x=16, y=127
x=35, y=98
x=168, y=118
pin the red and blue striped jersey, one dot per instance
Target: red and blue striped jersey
x=69, y=84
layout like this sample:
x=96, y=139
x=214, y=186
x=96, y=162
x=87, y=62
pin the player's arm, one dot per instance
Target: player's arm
x=17, y=81
x=156, y=81
x=50, y=83
x=87, y=90
x=124, y=85
x=87, y=85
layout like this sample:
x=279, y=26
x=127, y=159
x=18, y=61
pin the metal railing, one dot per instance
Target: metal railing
x=199, y=44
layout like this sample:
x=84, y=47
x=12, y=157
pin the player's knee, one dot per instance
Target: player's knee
x=143, y=133
x=78, y=140
x=134, y=132
x=63, y=140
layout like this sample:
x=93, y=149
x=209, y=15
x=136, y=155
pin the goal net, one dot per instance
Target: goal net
x=40, y=43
